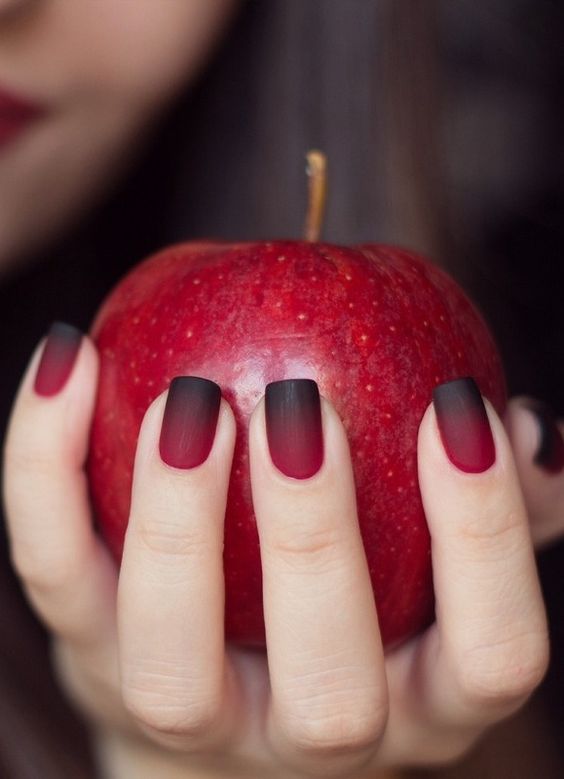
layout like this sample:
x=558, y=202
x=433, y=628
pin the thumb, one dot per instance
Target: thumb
x=538, y=445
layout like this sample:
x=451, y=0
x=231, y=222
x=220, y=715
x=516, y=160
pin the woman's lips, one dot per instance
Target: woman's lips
x=16, y=114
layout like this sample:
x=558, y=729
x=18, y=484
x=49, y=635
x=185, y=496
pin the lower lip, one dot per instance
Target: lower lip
x=15, y=118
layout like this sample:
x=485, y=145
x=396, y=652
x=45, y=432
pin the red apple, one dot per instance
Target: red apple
x=376, y=327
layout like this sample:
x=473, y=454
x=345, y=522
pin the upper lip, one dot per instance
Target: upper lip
x=13, y=106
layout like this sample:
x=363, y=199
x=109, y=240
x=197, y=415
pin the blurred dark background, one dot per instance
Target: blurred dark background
x=443, y=123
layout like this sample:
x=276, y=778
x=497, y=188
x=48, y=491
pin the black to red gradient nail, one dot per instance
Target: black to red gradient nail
x=58, y=358
x=464, y=426
x=550, y=452
x=293, y=427
x=189, y=421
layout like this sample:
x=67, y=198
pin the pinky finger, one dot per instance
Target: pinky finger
x=538, y=446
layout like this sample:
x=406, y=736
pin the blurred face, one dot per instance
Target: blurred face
x=80, y=82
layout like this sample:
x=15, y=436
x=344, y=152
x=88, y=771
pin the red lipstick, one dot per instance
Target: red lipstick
x=16, y=114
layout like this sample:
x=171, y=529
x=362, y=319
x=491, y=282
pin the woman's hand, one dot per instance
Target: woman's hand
x=144, y=656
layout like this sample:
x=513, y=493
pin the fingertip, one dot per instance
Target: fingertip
x=170, y=426
x=536, y=436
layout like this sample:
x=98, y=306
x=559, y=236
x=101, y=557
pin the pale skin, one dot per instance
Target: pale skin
x=142, y=652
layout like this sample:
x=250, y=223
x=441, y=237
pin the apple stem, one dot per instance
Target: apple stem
x=317, y=189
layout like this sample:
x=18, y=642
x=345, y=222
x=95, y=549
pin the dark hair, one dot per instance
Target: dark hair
x=443, y=128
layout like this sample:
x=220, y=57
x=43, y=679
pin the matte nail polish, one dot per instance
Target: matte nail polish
x=58, y=358
x=293, y=427
x=550, y=453
x=464, y=426
x=189, y=421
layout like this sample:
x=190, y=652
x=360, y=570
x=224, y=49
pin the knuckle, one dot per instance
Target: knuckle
x=166, y=703
x=334, y=734
x=171, y=538
x=27, y=459
x=43, y=569
x=313, y=549
x=494, y=529
x=506, y=672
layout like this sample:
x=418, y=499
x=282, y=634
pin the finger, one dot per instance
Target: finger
x=538, y=446
x=489, y=647
x=176, y=679
x=329, y=695
x=65, y=569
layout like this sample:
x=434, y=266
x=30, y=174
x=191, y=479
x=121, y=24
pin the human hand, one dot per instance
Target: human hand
x=145, y=656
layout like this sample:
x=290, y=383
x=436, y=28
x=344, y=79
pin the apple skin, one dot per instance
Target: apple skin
x=377, y=327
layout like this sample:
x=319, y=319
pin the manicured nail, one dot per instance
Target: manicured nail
x=464, y=425
x=550, y=452
x=293, y=427
x=189, y=421
x=57, y=361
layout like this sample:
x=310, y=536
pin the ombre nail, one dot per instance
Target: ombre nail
x=550, y=452
x=293, y=427
x=189, y=421
x=58, y=358
x=464, y=426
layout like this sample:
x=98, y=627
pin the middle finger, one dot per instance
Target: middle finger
x=329, y=695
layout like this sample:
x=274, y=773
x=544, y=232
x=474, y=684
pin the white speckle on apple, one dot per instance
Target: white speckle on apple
x=136, y=379
x=220, y=276
x=392, y=328
x=281, y=257
x=278, y=304
x=400, y=490
x=169, y=352
x=390, y=474
x=459, y=355
x=388, y=415
x=132, y=364
x=374, y=302
x=153, y=320
x=135, y=320
x=351, y=305
x=364, y=338
x=314, y=278
x=154, y=355
x=348, y=277
x=425, y=323
x=196, y=281
x=189, y=333
x=150, y=383
x=442, y=317
x=302, y=316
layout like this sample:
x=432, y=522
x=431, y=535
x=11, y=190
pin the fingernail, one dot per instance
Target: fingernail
x=58, y=358
x=550, y=452
x=293, y=427
x=189, y=421
x=464, y=426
